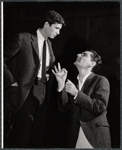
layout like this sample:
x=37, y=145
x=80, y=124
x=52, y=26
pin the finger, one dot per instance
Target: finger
x=56, y=70
x=53, y=72
x=65, y=71
x=47, y=75
x=69, y=81
x=68, y=86
x=59, y=67
x=68, y=90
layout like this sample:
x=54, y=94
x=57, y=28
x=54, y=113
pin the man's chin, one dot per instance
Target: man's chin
x=75, y=63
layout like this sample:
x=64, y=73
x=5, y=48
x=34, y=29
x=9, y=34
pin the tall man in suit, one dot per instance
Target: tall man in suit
x=87, y=98
x=26, y=89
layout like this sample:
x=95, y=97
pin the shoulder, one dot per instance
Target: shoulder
x=101, y=80
x=100, y=77
x=22, y=36
x=25, y=35
x=96, y=77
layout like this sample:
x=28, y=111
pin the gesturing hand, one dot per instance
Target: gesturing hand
x=71, y=88
x=61, y=75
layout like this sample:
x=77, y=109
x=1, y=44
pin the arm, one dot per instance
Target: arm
x=10, y=51
x=63, y=103
x=97, y=101
x=61, y=75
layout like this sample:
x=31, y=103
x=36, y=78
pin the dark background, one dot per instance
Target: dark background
x=93, y=25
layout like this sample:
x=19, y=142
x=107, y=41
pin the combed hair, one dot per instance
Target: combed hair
x=52, y=17
x=97, y=58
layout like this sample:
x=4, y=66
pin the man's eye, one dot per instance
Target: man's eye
x=84, y=54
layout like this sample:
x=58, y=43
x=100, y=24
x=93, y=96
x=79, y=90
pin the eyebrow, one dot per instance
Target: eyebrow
x=84, y=53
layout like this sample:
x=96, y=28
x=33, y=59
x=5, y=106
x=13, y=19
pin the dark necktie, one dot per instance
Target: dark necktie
x=44, y=61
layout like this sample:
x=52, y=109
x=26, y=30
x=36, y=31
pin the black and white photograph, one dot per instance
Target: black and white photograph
x=60, y=74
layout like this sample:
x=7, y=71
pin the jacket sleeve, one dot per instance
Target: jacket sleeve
x=10, y=52
x=63, y=103
x=98, y=100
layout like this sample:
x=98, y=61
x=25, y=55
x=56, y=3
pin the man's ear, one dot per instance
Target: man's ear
x=46, y=24
x=93, y=63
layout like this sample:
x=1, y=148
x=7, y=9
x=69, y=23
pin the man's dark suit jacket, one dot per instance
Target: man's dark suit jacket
x=21, y=65
x=88, y=110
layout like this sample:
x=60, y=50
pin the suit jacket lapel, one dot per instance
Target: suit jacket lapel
x=35, y=44
x=51, y=52
x=88, y=81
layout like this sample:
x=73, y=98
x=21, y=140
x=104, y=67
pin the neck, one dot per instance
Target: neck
x=43, y=33
x=83, y=73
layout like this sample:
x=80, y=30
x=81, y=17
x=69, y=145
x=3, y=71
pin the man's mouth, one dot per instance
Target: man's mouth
x=77, y=59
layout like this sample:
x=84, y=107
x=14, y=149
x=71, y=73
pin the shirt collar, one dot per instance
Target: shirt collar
x=40, y=36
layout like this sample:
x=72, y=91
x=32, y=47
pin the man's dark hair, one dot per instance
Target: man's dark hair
x=52, y=17
x=97, y=58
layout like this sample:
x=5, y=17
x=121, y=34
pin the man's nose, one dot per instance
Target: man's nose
x=58, y=32
x=78, y=55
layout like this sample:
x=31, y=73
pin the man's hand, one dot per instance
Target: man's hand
x=71, y=88
x=61, y=75
x=47, y=76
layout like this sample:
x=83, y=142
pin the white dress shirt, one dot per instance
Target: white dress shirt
x=40, y=46
x=82, y=141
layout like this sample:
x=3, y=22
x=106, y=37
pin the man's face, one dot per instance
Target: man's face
x=53, y=30
x=84, y=60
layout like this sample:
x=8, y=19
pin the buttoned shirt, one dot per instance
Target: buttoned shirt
x=80, y=84
x=82, y=141
x=40, y=46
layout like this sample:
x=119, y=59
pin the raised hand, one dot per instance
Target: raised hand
x=71, y=88
x=61, y=75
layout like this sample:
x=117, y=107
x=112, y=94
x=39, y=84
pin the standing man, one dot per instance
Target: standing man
x=28, y=81
x=87, y=98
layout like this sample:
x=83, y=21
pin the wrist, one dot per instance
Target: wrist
x=76, y=94
x=60, y=87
